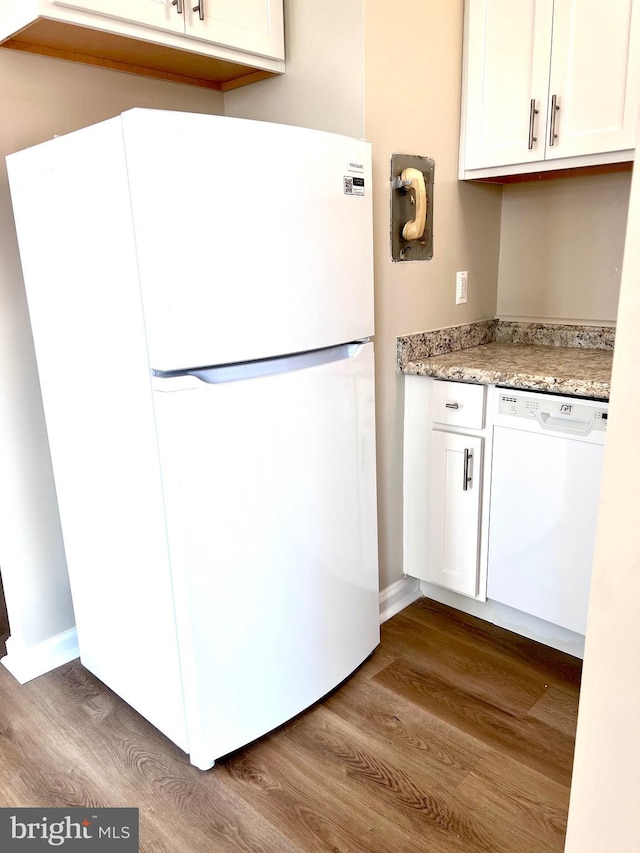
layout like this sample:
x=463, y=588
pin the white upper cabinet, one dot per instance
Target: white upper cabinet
x=220, y=44
x=151, y=13
x=250, y=25
x=548, y=84
x=253, y=25
x=508, y=51
x=595, y=73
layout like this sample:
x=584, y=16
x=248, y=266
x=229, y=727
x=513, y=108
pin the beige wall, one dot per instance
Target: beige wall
x=40, y=97
x=412, y=106
x=323, y=85
x=561, y=246
x=604, y=814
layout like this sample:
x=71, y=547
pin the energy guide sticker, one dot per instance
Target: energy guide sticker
x=353, y=185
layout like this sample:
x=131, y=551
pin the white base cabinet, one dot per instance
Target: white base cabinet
x=454, y=511
x=548, y=85
x=446, y=444
x=220, y=44
x=445, y=527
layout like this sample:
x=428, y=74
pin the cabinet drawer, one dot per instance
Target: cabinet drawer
x=458, y=404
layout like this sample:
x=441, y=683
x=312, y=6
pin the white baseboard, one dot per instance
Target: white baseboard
x=513, y=620
x=397, y=596
x=27, y=663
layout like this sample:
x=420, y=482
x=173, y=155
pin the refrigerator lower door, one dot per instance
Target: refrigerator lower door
x=270, y=492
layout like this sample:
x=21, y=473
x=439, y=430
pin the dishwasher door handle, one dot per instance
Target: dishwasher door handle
x=565, y=423
x=466, y=476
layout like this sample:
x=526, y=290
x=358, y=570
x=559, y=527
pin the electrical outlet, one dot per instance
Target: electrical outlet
x=461, y=287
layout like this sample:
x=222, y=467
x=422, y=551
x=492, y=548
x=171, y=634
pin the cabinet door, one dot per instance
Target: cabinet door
x=149, y=13
x=595, y=73
x=256, y=26
x=507, y=57
x=455, y=485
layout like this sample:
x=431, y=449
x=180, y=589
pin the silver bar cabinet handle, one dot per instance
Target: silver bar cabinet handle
x=200, y=9
x=451, y=406
x=533, y=112
x=178, y=5
x=552, y=122
x=466, y=477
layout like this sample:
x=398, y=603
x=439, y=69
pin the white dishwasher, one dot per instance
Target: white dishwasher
x=545, y=486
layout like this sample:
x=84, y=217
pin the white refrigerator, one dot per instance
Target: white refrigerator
x=201, y=297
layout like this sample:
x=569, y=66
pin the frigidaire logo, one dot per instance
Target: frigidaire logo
x=73, y=829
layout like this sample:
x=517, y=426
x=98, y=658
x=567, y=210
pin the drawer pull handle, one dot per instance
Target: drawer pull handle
x=466, y=476
x=451, y=406
x=178, y=5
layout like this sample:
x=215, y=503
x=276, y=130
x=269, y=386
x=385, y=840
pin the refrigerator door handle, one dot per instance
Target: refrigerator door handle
x=220, y=374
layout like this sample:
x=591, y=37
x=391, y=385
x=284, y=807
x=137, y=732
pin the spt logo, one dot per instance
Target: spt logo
x=96, y=829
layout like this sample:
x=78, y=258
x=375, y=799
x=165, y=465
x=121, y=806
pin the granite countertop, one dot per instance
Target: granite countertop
x=487, y=354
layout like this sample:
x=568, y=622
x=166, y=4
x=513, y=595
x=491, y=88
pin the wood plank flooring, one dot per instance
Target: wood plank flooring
x=454, y=735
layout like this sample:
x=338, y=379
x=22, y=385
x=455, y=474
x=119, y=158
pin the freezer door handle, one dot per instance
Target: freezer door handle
x=220, y=374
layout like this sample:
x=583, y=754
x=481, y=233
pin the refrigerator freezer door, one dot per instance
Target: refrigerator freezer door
x=253, y=239
x=271, y=517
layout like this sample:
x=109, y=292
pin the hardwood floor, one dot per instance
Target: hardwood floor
x=453, y=736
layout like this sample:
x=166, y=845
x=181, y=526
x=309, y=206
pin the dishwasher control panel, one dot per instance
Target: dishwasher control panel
x=559, y=414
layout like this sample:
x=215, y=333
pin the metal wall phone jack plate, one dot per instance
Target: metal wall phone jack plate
x=411, y=207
